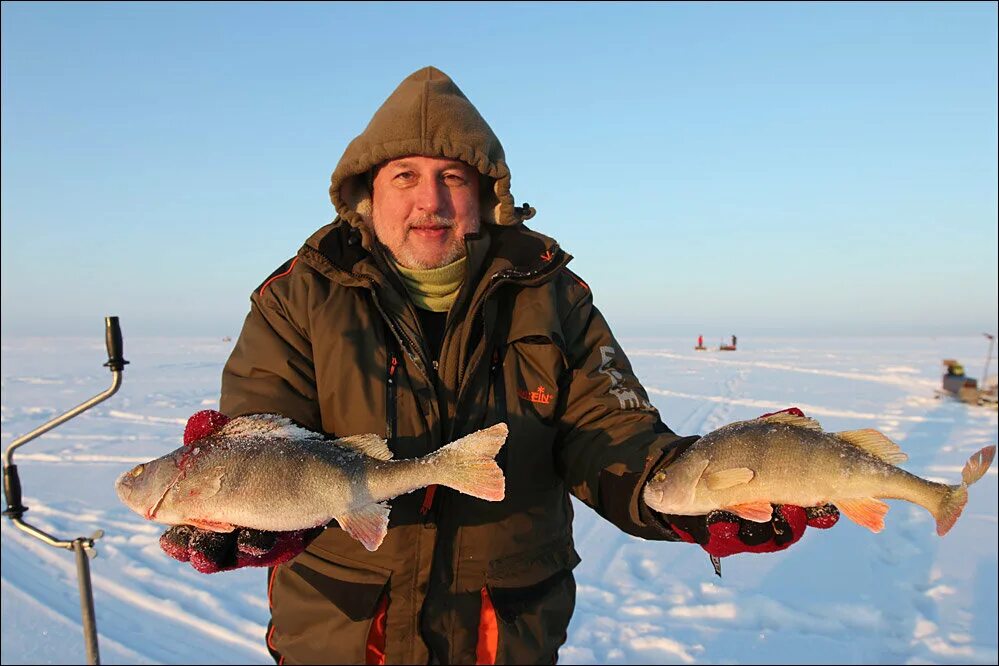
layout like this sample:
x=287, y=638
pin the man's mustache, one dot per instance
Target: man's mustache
x=432, y=222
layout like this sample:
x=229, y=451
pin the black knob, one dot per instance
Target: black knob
x=112, y=337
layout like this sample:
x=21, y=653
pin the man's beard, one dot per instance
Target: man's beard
x=454, y=251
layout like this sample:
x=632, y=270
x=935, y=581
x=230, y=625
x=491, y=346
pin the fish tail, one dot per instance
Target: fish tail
x=977, y=465
x=951, y=507
x=956, y=497
x=468, y=464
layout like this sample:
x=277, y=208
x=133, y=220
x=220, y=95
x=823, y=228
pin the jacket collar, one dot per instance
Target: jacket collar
x=340, y=251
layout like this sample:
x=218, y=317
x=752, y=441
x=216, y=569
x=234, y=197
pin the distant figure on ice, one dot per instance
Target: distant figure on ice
x=733, y=342
x=700, y=343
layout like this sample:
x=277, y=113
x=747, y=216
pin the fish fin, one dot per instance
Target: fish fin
x=865, y=511
x=791, y=419
x=977, y=465
x=468, y=464
x=758, y=512
x=265, y=426
x=369, y=444
x=728, y=478
x=211, y=525
x=950, y=508
x=875, y=443
x=208, y=485
x=368, y=524
x=212, y=483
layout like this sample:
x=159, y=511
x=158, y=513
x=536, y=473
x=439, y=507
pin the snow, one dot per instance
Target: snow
x=839, y=596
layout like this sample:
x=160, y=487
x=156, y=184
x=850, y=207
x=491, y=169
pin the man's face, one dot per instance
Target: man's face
x=422, y=208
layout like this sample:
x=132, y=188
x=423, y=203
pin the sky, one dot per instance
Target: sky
x=839, y=596
x=714, y=168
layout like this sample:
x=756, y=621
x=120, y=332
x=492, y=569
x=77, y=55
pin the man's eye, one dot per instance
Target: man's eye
x=405, y=176
x=454, y=179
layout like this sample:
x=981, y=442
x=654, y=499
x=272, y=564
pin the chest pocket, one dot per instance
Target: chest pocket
x=529, y=372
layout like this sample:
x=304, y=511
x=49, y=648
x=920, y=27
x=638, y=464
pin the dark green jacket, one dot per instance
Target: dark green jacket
x=333, y=341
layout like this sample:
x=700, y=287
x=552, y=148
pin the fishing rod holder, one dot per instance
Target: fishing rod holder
x=83, y=547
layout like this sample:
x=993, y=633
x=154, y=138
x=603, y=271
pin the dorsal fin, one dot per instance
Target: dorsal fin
x=875, y=443
x=369, y=444
x=265, y=426
x=791, y=419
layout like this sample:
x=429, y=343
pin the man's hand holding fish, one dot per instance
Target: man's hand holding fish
x=722, y=533
x=211, y=552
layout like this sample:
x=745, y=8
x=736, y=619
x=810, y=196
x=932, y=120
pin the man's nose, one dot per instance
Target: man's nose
x=432, y=196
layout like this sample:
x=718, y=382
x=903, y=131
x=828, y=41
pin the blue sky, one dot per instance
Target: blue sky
x=757, y=169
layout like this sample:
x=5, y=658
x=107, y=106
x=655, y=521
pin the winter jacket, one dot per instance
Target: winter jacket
x=333, y=341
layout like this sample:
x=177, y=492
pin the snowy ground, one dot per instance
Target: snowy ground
x=843, y=596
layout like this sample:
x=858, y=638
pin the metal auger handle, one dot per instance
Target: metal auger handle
x=11, y=480
x=116, y=363
x=82, y=546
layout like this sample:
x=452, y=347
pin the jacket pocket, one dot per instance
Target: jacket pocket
x=534, y=373
x=323, y=607
x=533, y=596
x=536, y=364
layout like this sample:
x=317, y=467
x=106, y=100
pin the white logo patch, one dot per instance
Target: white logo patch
x=628, y=398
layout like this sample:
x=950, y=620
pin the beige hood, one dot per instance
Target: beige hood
x=426, y=115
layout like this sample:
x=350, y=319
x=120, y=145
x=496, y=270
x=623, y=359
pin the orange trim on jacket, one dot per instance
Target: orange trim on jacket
x=374, y=651
x=279, y=275
x=485, y=651
x=428, y=499
x=270, y=604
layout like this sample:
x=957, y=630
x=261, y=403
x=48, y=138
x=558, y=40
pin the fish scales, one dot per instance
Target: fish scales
x=798, y=466
x=279, y=486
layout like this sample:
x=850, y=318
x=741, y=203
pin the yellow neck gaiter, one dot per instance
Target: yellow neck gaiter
x=434, y=289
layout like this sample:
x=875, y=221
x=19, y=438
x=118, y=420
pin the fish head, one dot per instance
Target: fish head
x=144, y=487
x=671, y=490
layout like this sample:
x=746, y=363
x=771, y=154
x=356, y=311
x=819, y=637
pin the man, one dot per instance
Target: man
x=426, y=311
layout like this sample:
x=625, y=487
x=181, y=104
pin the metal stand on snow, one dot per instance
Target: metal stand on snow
x=82, y=546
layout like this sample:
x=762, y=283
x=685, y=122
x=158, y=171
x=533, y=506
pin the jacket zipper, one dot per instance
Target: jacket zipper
x=390, y=405
x=390, y=396
x=497, y=386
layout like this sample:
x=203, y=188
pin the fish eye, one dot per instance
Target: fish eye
x=138, y=470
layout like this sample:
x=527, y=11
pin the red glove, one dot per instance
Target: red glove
x=721, y=533
x=209, y=552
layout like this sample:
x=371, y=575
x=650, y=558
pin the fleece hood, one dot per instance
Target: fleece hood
x=426, y=115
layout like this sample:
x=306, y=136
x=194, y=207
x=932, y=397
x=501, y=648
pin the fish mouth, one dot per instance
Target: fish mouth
x=123, y=487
